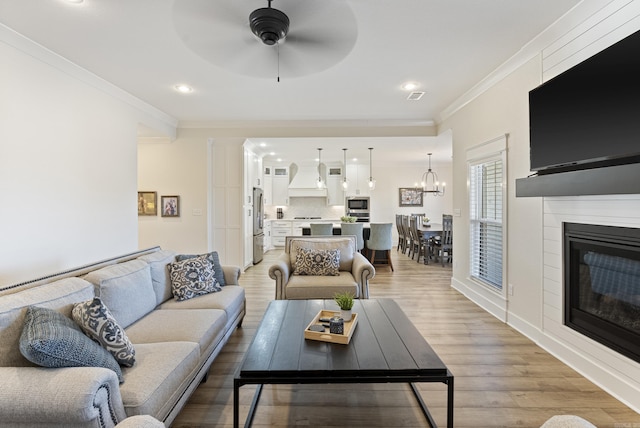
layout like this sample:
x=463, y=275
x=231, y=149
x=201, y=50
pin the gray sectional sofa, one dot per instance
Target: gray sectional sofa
x=175, y=342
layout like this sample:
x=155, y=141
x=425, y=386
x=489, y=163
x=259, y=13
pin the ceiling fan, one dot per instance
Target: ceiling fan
x=297, y=39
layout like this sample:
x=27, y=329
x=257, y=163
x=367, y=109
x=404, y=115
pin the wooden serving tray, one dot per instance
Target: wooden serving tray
x=344, y=339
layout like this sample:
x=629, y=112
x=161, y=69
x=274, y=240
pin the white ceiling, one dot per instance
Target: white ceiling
x=146, y=47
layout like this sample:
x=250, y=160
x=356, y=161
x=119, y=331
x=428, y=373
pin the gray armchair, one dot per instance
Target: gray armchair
x=354, y=272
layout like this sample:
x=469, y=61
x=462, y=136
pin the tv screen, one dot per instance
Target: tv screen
x=590, y=114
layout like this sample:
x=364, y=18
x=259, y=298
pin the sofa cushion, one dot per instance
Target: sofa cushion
x=126, y=289
x=192, y=277
x=321, y=287
x=160, y=375
x=96, y=321
x=317, y=262
x=158, y=261
x=345, y=245
x=202, y=326
x=60, y=295
x=50, y=339
x=215, y=259
x=230, y=299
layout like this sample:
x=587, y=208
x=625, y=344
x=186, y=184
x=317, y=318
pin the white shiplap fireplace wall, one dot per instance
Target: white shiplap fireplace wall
x=615, y=373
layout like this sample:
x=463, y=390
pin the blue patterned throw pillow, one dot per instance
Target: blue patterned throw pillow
x=192, y=277
x=317, y=262
x=95, y=319
x=50, y=339
x=215, y=260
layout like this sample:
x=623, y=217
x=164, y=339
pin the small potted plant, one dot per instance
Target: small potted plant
x=348, y=219
x=345, y=303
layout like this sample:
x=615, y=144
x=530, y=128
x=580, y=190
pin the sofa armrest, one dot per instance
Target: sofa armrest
x=280, y=271
x=362, y=271
x=73, y=396
x=231, y=274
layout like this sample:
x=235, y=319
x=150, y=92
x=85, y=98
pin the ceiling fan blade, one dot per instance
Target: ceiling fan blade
x=218, y=31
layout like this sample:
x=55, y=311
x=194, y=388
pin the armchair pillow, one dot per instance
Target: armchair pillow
x=50, y=339
x=317, y=262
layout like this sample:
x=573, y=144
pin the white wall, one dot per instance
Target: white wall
x=67, y=164
x=534, y=262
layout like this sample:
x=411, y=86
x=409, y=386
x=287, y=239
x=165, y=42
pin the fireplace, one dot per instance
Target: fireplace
x=602, y=285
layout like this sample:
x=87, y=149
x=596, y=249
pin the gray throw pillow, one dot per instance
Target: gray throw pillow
x=192, y=277
x=50, y=339
x=215, y=259
x=96, y=321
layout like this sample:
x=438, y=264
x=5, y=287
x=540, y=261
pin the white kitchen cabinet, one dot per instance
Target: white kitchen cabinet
x=297, y=227
x=267, y=235
x=267, y=182
x=280, y=186
x=358, y=177
x=279, y=230
x=335, y=192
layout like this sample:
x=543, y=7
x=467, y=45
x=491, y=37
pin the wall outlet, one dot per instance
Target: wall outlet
x=196, y=211
x=510, y=289
x=457, y=212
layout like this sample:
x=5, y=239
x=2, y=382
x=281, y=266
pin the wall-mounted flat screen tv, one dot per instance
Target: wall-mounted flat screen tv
x=589, y=116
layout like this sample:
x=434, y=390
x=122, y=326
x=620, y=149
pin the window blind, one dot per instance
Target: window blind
x=486, y=205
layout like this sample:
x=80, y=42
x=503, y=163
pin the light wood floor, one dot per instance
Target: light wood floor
x=502, y=379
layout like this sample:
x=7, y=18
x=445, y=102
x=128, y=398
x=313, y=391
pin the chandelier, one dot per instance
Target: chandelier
x=430, y=183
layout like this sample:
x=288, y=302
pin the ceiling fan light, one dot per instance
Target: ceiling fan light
x=269, y=24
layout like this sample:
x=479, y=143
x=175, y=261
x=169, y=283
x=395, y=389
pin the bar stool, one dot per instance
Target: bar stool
x=354, y=229
x=322, y=229
x=381, y=240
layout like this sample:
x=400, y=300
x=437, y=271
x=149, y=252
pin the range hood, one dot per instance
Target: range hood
x=304, y=183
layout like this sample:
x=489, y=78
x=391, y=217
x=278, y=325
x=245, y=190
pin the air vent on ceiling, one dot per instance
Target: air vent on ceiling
x=415, y=96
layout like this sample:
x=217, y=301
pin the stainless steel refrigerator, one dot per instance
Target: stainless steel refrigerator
x=258, y=224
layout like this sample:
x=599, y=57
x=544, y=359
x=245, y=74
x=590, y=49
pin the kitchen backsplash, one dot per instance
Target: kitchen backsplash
x=307, y=207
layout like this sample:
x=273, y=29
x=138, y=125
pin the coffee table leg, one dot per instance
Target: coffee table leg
x=450, y=402
x=236, y=403
x=254, y=405
x=426, y=412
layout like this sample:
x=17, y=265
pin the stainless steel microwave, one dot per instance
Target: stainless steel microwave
x=357, y=204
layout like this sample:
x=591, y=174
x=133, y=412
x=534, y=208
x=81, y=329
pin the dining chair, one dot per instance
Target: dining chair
x=407, y=234
x=418, y=242
x=445, y=242
x=402, y=240
x=380, y=240
x=354, y=229
x=322, y=229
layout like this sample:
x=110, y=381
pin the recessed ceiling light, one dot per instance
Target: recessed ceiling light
x=263, y=144
x=75, y=1
x=410, y=86
x=184, y=89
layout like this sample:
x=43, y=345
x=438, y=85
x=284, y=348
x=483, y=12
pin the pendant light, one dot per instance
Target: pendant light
x=345, y=182
x=320, y=182
x=372, y=182
x=434, y=187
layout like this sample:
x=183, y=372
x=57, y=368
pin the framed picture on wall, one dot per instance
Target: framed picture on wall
x=147, y=203
x=410, y=197
x=170, y=206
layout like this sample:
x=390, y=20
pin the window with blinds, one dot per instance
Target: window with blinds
x=486, y=204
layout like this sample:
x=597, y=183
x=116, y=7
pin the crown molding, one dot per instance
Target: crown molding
x=27, y=46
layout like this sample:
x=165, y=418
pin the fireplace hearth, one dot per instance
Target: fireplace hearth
x=602, y=285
